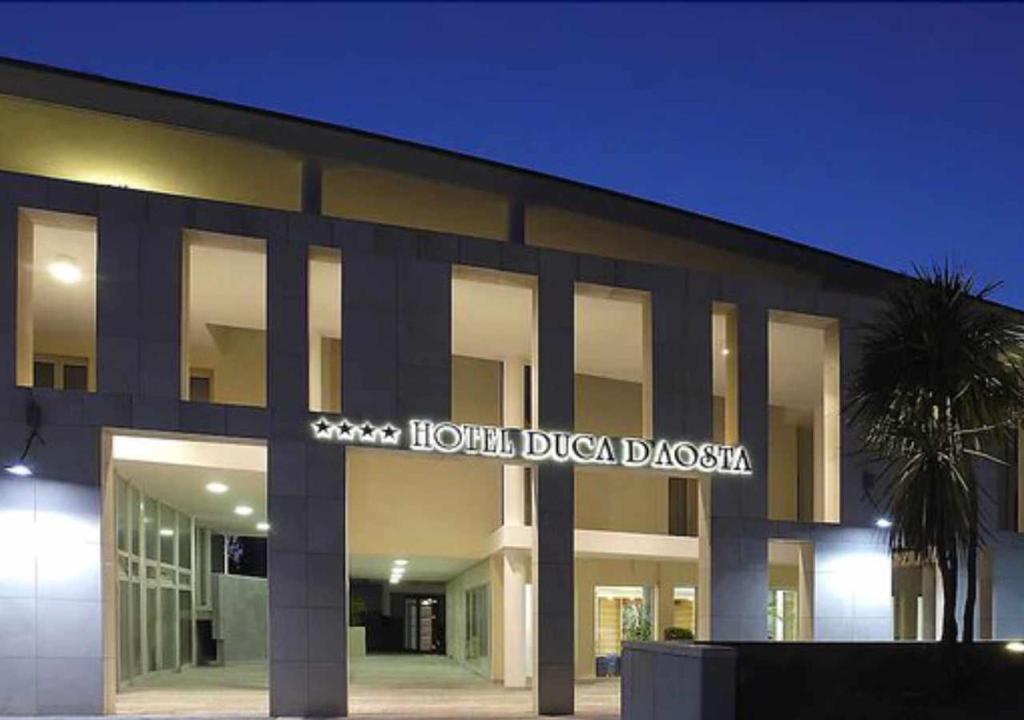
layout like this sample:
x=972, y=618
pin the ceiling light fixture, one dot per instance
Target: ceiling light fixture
x=263, y=526
x=64, y=269
x=166, y=532
x=401, y=563
x=217, y=488
x=243, y=510
x=725, y=351
x=1015, y=646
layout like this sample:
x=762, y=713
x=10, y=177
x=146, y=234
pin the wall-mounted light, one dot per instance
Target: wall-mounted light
x=883, y=523
x=34, y=420
x=243, y=510
x=217, y=488
x=64, y=270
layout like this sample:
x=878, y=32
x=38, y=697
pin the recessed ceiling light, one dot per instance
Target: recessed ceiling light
x=243, y=510
x=63, y=269
x=725, y=351
x=1015, y=646
x=401, y=563
x=262, y=526
x=19, y=469
x=395, y=581
x=166, y=532
x=217, y=488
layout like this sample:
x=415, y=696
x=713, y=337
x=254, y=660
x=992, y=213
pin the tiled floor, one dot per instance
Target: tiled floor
x=381, y=686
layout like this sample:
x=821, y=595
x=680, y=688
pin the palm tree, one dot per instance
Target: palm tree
x=941, y=379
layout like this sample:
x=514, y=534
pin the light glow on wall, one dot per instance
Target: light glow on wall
x=65, y=270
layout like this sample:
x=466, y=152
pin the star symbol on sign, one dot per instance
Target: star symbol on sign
x=345, y=428
x=391, y=433
x=322, y=428
x=367, y=430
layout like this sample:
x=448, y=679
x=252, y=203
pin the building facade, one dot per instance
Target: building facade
x=187, y=288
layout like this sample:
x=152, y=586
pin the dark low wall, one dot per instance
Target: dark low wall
x=878, y=681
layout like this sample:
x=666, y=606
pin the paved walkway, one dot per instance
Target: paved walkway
x=380, y=686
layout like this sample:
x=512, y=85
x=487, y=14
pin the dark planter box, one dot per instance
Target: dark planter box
x=878, y=681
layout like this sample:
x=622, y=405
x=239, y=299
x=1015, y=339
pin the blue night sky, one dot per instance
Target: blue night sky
x=890, y=133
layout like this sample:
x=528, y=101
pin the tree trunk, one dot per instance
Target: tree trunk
x=948, y=569
x=970, y=598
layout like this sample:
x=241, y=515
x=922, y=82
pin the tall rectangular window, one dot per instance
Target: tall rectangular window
x=725, y=373
x=56, y=337
x=324, y=330
x=224, y=319
x=803, y=418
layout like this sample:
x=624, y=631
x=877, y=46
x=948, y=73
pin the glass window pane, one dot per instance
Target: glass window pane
x=150, y=527
x=121, y=515
x=76, y=377
x=184, y=541
x=168, y=628
x=135, y=512
x=168, y=529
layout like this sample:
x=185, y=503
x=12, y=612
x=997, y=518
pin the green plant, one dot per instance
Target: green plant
x=678, y=633
x=636, y=623
x=941, y=381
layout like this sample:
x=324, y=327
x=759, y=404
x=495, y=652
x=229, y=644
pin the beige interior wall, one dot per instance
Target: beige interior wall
x=72, y=144
x=407, y=505
x=591, y=572
x=476, y=390
x=483, y=573
x=782, y=466
x=24, y=311
x=363, y=193
x=616, y=499
x=608, y=407
x=326, y=368
x=564, y=230
x=238, y=360
x=621, y=501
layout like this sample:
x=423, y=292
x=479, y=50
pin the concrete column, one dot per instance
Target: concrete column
x=513, y=413
x=930, y=587
x=553, y=557
x=514, y=568
x=515, y=228
x=117, y=302
x=738, y=571
x=424, y=297
x=369, y=317
x=307, y=576
x=312, y=186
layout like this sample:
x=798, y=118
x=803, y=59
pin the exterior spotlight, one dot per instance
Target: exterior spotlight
x=217, y=488
x=263, y=526
x=19, y=469
x=883, y=523
x=166, y=532
x=64, y=270
x=243, y=510
x=1015, y=647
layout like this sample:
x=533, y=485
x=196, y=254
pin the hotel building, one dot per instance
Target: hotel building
x=210, y=317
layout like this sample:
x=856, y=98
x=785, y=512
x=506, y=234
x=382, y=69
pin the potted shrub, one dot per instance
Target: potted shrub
x=678, y=634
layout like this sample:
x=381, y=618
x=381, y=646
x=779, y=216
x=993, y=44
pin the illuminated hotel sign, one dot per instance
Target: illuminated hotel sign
x=450, y=438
